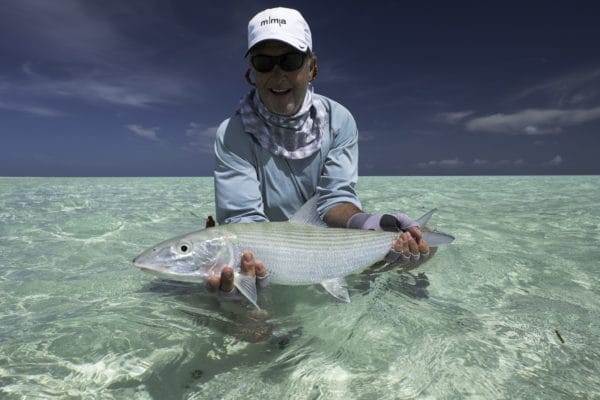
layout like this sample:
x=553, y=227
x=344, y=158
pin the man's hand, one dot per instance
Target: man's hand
x=250, y=266
x=410, y=245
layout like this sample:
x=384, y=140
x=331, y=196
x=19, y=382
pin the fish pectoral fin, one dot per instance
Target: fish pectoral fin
x=246, y=284
x=337, y=288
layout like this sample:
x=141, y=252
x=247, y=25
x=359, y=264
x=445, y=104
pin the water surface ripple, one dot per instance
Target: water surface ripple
x=510, y=310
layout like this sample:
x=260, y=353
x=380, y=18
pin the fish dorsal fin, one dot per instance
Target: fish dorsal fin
x=307, y=214
x=337, y=288
x=422, y=222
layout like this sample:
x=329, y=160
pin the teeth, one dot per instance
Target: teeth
x=279, y=90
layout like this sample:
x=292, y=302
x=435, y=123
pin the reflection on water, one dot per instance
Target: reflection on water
x=481, y=319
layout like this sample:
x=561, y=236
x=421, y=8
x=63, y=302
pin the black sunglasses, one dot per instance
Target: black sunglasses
x=287, y=62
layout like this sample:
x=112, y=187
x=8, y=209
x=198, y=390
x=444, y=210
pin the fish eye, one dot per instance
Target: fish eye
x=184, y=248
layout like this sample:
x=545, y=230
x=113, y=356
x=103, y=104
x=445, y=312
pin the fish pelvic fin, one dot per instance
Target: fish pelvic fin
x=246, y=284
x=308, y=215
x=337, y=288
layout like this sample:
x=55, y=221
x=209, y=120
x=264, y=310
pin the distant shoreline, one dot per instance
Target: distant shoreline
x=360, y=176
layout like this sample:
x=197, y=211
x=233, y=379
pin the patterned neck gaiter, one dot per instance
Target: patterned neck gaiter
x=294, y=137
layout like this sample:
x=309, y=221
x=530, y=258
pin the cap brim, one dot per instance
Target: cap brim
x=290, y=42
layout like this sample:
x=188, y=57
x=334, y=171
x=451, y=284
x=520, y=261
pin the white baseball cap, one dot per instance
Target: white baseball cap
x=284, y=24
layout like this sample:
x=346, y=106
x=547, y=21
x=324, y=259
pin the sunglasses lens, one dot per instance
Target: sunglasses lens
x=287, y=62
x=263, y=63
x=291, y=61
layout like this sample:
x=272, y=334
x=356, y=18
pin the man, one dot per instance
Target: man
x=286, y=143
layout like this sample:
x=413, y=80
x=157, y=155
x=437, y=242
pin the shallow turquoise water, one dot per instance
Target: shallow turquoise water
x=78, y=321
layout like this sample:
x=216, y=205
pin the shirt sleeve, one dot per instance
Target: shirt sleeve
x=340, y=172
x=237, y=189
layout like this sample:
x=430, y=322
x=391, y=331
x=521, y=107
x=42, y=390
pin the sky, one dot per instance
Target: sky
x=138, y=88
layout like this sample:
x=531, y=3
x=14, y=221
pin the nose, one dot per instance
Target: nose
x=277, y=71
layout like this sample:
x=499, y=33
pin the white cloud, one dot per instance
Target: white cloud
x=139, y=91
x=27, y=69
x=202, y=137
x=453, y=117
x=578, y=89
x=65, y=31
x=80, y=51
x=478, y=162
x=509, y=163
x=145, y=133
x=532, y=121
x=366, y=136
x=447, y=163
x=579, y=98
x=570, y=89
x=555, y=162
x=456, y=163
x=30, y=109
x=531, y=130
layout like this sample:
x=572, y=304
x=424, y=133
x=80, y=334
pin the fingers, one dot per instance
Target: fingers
x=406, y=244
x=401, y=249
x=224, y=282
x=260, y=269
x=422, y=246
x=249, y=266
x=247, y=263
x=252, y=266
x=213, y=283
x=415, y=233
x=410, y=245
x=227, y=279
x=401, y=244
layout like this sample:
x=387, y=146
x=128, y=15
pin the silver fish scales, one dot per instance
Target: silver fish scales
x=301, y=251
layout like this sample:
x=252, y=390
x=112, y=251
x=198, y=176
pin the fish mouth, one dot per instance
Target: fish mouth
x=153, y=270
x=136, y=262
x=166, y=272
x=146, y=259
x=144, y=266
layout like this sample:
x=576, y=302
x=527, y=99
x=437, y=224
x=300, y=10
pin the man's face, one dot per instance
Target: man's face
x=282, y=92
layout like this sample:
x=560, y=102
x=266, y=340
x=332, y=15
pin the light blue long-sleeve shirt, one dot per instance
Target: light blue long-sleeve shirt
x=254, y=185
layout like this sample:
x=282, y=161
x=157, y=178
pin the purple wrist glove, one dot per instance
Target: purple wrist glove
x=398, y=222
x=385, y=222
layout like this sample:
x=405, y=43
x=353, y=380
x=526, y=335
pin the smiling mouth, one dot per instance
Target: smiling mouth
x=279, y=92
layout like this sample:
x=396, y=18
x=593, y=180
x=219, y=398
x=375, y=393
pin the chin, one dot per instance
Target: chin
x=287, y=110
x=282, y=106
